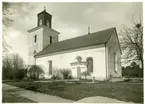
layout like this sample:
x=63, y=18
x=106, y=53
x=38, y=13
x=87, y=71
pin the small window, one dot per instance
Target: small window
x=50, y=39
x=35, y=38
x=115, y=61
x=50, y=67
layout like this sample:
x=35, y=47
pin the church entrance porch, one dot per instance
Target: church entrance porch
x=82, y=69
x=78, y=68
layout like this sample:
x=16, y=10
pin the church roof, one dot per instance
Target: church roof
x=96, y=38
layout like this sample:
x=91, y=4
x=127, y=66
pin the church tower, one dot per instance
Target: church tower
x=41, y=36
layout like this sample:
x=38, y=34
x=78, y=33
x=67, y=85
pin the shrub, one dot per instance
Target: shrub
x=85, y=73
x=35, y=71
x=61, y=74
x=127, y=80
x=55, y=77
x=66, y=73
x=21, y=73
x=70, y=77
x=56, y=74
x=32, y=87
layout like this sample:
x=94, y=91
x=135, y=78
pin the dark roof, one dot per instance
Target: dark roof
x=42, y=26
x=44, y=11
x=95, y=38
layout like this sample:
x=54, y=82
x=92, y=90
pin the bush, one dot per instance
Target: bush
x=32, y=87
x=35, y=71
x=70, y=77
x=56, y=74
x=132, y=71
x=61, y=73
x=85, y=73
x=21, y=73
x=55, y=77
x=66, y=73
x=127, y=80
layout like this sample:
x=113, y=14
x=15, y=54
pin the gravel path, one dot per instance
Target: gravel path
x=36, y=96
x=45, y=98
x=101, y=99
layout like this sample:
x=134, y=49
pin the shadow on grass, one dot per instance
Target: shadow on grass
x=12, y=96
x=76, y=91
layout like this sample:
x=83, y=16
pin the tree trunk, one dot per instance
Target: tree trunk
x=37, y=75
x=142, y=64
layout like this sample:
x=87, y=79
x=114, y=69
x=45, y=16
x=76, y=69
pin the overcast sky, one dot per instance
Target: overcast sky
x=70, y=19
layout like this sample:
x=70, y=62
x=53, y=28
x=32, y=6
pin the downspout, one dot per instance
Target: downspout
x=106, y=60
x=34, y=60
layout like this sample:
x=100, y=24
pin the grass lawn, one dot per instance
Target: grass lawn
x=75, y=91
x=10, y=97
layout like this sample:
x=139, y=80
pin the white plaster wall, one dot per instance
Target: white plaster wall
x=113, y=46
x=63, y=60
x=47, y=32
x=38, y=46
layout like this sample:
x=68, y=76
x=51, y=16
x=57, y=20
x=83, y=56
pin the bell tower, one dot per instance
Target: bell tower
x=44, y=18
x=42, y=35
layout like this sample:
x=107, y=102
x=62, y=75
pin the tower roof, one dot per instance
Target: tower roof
x=44, y=12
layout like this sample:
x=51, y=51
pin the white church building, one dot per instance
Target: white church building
x=98, y=53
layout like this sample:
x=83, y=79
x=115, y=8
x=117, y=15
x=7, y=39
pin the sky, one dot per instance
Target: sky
x=70, y=19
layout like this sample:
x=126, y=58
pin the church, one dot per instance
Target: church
x=98, y=53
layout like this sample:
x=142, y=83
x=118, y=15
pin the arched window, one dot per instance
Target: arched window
x=50, y=67
x=89, y=64
x=35, y=38
x=115, y=61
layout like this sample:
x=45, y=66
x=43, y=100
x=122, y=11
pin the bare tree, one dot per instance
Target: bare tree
x=11, y=64
x=17, y=62
x=131, y=39
x=7, y=10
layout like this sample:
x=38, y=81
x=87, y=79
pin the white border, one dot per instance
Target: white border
x=55, y=1
x=72, y=0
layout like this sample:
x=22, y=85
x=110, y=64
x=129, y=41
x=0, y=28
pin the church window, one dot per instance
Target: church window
x=50, y=39
x=89, y=64
x=115, y=61
x=50, y=67
x=35, y=38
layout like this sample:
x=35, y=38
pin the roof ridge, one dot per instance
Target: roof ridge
x=87, y=34
x=80, y=41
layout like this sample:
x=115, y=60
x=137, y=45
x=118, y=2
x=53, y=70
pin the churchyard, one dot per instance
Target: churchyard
x=124, y=91
x=72, y=64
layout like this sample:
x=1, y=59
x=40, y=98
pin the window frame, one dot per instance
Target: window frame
x=50, y=66
x=115, y=61
x=50, y=39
